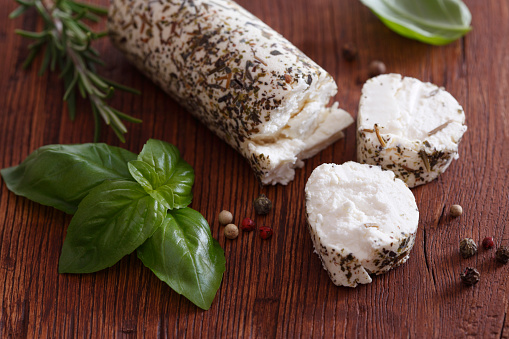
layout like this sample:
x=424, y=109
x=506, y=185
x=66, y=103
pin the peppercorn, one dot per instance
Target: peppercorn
x=265, y=232
x=456, y=211
x=467, y=248
x=488, y=243
x=248, y=225
x=376, y=68
x=231, y=231
x=349, y=52
x=470, y=276
x=225, y=217
x=502, y=254
x=262, y=204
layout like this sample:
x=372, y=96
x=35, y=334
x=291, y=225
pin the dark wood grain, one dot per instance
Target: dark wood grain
x=274, y=288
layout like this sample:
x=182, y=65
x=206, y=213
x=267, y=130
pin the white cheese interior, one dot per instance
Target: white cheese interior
x=307, y=129
x=408, y=109
x=359, y=208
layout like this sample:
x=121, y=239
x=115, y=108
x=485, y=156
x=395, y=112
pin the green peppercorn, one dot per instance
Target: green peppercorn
x=468, y=248
x=262, y=205
x=502, y=254
x=470, y=277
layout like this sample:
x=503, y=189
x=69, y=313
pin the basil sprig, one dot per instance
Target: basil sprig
x=163, y=174
x=123, y=202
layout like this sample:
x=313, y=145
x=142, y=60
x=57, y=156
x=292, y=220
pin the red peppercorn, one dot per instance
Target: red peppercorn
x=248, y=225
x=488, y=243
x=265, y=232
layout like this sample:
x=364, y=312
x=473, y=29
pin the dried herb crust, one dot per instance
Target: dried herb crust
x=415, y=164
x=224, y=65
x=345, y=269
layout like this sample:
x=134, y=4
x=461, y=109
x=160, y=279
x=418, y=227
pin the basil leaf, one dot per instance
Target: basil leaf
x=435, y=22
x=111, y=221
x=164, y=174
x=61, y=175
x=183, y=254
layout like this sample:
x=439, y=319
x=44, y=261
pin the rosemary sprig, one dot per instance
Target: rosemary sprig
x=380, y=138
x=439, y=128
x=66, y=41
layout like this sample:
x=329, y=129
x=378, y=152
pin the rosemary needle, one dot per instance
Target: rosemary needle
x=65, y=41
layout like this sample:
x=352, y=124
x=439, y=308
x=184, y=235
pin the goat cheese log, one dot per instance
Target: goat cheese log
x=242, y=79
x=409, y=127
x=362, y=220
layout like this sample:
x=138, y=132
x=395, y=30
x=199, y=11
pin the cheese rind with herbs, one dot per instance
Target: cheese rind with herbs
x=243, y=80
x=362, y=220
x=409, y=127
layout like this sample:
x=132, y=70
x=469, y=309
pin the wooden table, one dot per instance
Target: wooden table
x=274, y=288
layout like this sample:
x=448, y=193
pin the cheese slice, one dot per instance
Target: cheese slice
x=362, y=220
x=409, y=127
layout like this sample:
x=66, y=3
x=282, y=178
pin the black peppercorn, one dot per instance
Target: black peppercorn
x=467, y=248
x=502, y=254
x=349, y=52
x=470, y=276
x=262, y=204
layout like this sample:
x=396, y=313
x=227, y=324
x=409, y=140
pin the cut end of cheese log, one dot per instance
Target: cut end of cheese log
x=409, y=127
x=362, y=220
x=243, y=80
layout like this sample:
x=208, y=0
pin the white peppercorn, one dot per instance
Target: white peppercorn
x=231, y=231
x=456, y=211
x=225, y=217
x=376, y=67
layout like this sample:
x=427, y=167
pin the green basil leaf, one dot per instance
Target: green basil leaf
x=61, y=175
x=144, y=174
x=183, y=254
x=113, y=220
x=164, y=174
x=435, y=22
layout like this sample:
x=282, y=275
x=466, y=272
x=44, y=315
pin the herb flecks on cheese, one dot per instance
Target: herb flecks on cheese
x=243, y=80
x=409, y=127
x=362, y=220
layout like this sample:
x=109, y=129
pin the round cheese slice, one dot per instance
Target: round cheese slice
x=409, y=127
x=362, y=220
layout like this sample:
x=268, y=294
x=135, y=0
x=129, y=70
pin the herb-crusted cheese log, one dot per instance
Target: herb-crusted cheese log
x=242, y=79
x=362, y=220
x=409, y=127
